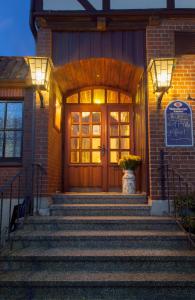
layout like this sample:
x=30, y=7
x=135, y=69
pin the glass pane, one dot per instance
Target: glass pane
x=85, y=130
x=85, y=117
x=85, y=157
x=114, y=143
x=99, y=96
x=74, y=157
x=85, y=96
x=125, y=99
x=1, y=143
x=125, y=117
x=14, y=115
x=85, y=143
x=114, y=130
x=112, y=96
x=125, y=144
x=2, y=115
x=124, y=130
x=114, y=117
x=96, y=129
x=96, y=117
x=75, y=116
x=114, y=156
x=124, y=153
x=74, y=130
x=74, y=144
x=13, y=142
x=96, y=157
x=73, y=99
x=96, y=143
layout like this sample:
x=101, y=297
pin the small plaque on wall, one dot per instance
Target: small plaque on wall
x=178, y=125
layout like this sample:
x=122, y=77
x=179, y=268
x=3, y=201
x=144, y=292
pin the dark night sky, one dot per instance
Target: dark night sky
x=15, y=36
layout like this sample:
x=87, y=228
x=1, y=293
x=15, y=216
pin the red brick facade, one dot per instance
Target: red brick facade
x=161, y=43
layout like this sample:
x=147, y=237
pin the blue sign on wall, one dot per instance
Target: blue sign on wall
x=178, y=125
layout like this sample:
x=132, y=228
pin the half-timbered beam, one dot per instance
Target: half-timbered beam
x=170, y=4
x=106, y=4
x=87, y=5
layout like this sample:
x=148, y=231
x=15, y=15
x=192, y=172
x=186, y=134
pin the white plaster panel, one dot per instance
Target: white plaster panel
x=184, y=3
x=138, y=4
x=96, y=3
x=62, y=5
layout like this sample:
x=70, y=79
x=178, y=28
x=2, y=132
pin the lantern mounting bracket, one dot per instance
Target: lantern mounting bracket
x=189, y=98
x=41, y=98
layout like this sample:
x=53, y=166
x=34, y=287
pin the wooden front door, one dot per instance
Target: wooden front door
x=96, y=136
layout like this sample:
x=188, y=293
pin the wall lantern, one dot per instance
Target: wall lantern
x=161, y=71
x=40, y=68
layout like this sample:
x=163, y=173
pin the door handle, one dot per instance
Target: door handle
x=102, y=149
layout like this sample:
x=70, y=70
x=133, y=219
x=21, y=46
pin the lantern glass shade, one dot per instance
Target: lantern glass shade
x=161, y=71
x=40, y=68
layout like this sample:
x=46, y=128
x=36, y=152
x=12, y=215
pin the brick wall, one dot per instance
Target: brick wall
x=160, y=43
x=44, y=42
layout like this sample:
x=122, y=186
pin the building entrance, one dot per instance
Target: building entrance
x=96, y=137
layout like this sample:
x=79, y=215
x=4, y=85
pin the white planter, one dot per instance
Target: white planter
x=128, y=182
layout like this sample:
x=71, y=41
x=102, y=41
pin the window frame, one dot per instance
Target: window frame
x=13, y=159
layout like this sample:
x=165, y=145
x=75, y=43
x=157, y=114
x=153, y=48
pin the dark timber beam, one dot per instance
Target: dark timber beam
x=170, y=4
x=87, y=5
x=106, y=4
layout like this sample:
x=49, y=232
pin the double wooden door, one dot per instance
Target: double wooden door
x=96, y=137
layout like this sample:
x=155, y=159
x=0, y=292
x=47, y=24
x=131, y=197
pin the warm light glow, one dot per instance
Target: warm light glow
x=97, y=101
x=161, y=73
x=40, y=68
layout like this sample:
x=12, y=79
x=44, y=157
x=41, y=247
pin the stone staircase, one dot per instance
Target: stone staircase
x=98, y=247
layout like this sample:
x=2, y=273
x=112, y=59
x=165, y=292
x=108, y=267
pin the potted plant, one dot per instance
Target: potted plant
x=129, y=163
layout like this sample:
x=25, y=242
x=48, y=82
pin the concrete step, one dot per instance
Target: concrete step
x=101, y=239
x=98, y=260
x=101, y=223
x=99, y=198
x=100, y=210
x=96, y=286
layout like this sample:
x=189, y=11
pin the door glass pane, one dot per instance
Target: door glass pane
x=13, y=141
x=125, y=99
x=96, y=129
x=96, y=157
x=124, y=130
x=112, y=96
x=73, y=99
x=85, y=157
x=14, y=115
x=114, y=156
x=124, y=153
x=85, y=130
x=125, y=117
x=96, y=142
x=86, y=143
x=74, y=157
x=85, y=117
x=114, y=143
x=96, y=117
x=1, y=143
x=2, y=115
x=99, y=96
x=125, y=144
x=75, y=130
x=114, y=130
x=114, y=117
x=75, y=116
x=74, y=144
x=85, y=96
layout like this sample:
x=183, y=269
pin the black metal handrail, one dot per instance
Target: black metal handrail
x=179, y=193
x=17, y=198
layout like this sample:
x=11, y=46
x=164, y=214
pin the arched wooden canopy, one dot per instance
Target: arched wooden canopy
x=98, y=72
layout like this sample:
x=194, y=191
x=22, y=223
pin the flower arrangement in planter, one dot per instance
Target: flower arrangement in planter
x=185, y=210
x=129, y=163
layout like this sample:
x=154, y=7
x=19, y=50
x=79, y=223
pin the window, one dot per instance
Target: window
x=11, y=129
